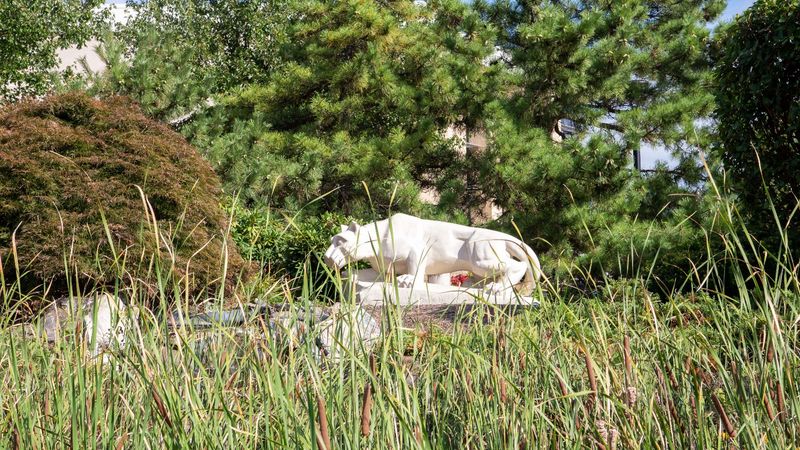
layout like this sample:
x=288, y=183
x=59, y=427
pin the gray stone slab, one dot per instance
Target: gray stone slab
x=379, y=293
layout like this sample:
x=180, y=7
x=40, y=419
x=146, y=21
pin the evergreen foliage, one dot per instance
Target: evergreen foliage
x=71, y=171
x=758, y=98
x=631, y=76
x=365, y=94
x=350, y=114
x=161, y=74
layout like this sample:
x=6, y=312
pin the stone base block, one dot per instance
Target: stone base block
x=369, y=290
x=377, y=294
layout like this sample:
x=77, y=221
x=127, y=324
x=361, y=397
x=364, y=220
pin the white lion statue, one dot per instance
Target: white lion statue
x=416, y=249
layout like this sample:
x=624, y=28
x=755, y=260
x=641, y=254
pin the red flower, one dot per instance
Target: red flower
x=458, y=280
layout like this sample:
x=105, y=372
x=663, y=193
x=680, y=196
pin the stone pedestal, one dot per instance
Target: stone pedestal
x=369, y=289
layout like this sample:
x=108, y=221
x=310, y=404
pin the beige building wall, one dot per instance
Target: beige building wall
x=70, y=56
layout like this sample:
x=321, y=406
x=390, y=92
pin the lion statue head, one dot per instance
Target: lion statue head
x=343, y=247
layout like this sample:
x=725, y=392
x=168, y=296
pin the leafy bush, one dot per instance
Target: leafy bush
x=30, y=33
x=286, y=246
x=73, y=176
x=758, y=106
x=228, y=42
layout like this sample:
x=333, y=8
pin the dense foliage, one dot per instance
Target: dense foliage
x=30, y=33
x=631, y=77
x=758, y=98
x=231, y=42
x=363, y=96
x=74, y=175
x=288, y=247
x=352, y=113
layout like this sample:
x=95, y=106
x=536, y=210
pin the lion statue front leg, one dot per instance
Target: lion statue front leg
x=415, y=268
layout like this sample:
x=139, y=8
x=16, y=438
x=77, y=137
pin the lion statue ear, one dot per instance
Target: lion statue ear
x=352, y=227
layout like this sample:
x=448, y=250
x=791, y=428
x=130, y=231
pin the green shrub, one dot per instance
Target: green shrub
x=73, y=175
x=758, y=106
x=286, y=246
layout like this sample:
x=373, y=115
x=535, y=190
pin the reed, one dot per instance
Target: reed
x=711, y=369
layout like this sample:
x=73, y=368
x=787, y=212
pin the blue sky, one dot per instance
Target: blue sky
x=735, y=7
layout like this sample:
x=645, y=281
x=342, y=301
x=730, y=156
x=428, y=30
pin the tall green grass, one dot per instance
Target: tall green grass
x=622, y=369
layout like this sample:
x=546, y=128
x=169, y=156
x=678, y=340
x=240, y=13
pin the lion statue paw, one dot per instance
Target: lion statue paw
x=406, y=281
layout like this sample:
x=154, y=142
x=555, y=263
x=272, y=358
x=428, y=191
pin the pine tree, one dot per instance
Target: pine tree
x=630, y=75
x=359, y=93
x=161, y=75
x=363, y=98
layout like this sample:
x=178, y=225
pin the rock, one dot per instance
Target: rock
x=55, y=318
x=212, y=318
x=347, y=329
x=104, y=319
x=290, y=326
x=105, y=322
x=221, y=348
x=446, y=318
x=334, y=331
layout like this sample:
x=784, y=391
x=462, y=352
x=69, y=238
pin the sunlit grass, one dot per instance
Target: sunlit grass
x=557, y=374
x=622, y=369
